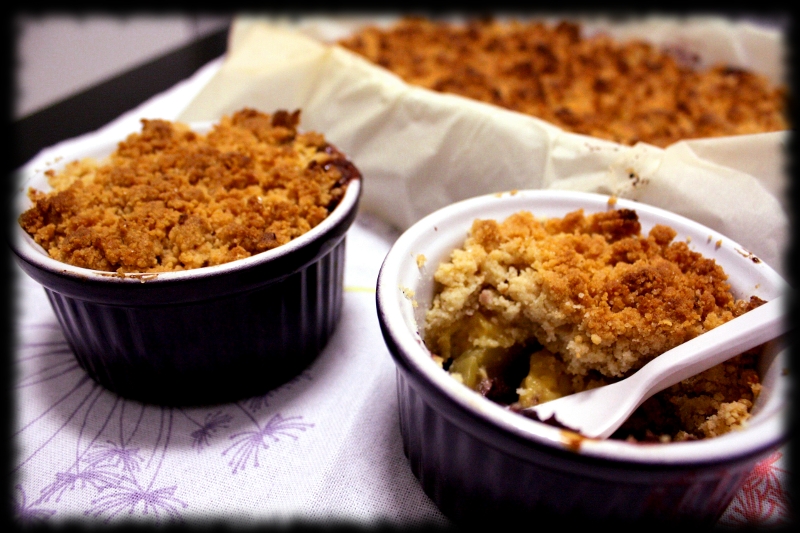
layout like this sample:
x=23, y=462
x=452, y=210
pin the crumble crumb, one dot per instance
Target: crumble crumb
x=171, y=199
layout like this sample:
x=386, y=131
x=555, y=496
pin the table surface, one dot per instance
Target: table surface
x=81, y=452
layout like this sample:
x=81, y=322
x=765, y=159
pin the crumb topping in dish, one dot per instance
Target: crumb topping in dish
x=530, y=310
x=170, y=199
x=621, y=91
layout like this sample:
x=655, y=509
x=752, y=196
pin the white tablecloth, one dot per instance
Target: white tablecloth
x=324, y=447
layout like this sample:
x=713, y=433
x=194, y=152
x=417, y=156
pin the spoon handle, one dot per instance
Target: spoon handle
x=598, y=412
x=763, y=323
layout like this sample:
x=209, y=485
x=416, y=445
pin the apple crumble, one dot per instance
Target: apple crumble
x=621, y=91
x=530, y=310
x=170, y=199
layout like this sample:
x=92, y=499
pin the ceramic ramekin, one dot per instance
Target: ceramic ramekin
x=201, y=336
x=483, y=464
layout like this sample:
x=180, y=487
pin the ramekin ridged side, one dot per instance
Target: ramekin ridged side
x=211, y=351
x=476, y=475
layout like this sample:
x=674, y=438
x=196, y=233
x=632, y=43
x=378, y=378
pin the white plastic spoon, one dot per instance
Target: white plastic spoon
x=598, y=412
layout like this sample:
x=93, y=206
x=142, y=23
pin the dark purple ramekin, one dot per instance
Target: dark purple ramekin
x=484, y=465
x=201, y=336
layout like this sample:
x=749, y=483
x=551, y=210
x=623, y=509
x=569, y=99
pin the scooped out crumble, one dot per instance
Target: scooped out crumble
x=530, y=310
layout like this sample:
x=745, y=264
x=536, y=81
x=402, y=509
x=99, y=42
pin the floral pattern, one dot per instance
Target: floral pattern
x=247, y=444
x=763, y=498
x=122, y=445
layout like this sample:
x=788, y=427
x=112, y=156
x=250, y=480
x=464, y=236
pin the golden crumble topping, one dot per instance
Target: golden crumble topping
x=531, y=310
x=172, y=199
x=624, y=92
